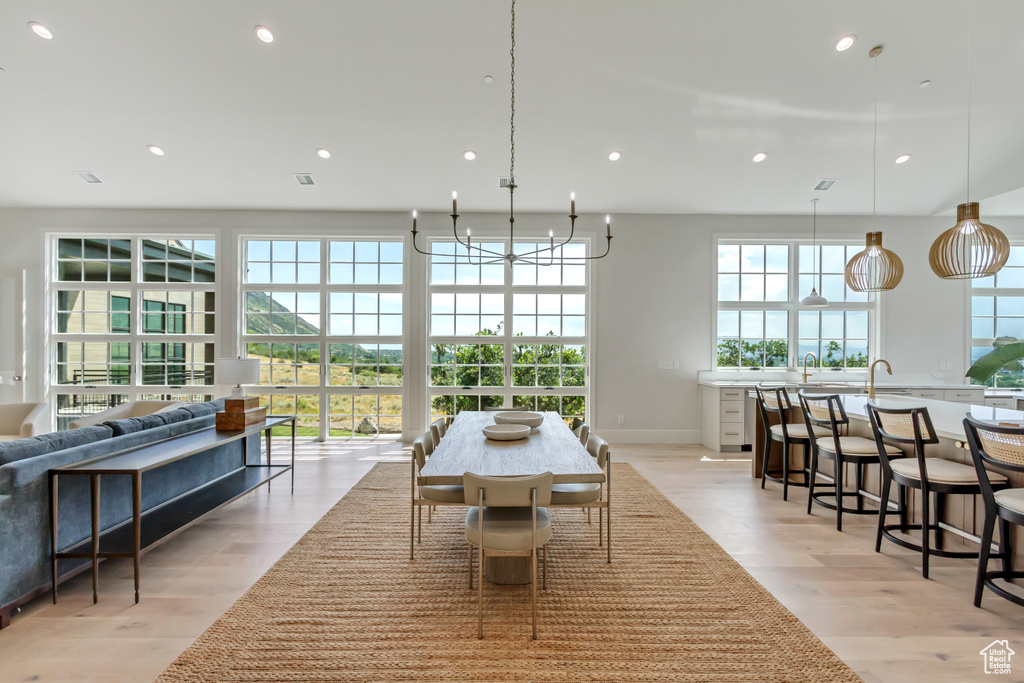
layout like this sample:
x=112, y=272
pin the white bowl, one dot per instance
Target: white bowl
x=506, y=432
x=519, y=417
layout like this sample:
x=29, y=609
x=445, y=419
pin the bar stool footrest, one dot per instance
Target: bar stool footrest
x=832, y=506
x=888, y=529
x=776, y=476
x=990, y=578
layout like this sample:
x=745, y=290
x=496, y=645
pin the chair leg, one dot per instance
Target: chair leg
x=938, y=506
x=883, y=509
x=419, y=525
x=811, y=478
x=859, y=483
x=600, y=527
x=533, y=588
x=480, y=598
x=925, y=531
x=412, y=531
x=983, y=553
x=839, y=491
x=1005, y=543
x=902, y=502
x=785, y=470
x=588, y=515
x=764, y=455
x=470, y=565
x=430, y=514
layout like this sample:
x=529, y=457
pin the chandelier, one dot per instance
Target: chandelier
x=544, y=256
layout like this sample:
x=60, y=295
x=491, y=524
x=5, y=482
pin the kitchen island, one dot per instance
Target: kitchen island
x=962, y=515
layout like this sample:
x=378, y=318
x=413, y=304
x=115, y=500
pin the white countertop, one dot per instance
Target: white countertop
x=845, y=383
x=947, y=417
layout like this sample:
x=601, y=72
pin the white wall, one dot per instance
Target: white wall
x=651, y=296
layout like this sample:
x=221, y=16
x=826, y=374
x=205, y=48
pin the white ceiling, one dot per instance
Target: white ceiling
x=687, y=90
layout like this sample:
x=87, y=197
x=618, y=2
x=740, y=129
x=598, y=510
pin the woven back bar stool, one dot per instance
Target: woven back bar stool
x=775, y=400
x=1002, y=447
x=827, y=411
x=933, y=477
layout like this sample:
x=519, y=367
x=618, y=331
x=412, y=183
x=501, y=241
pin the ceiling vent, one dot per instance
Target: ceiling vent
x=90, y=178
x=824, y=184
x=304, y=178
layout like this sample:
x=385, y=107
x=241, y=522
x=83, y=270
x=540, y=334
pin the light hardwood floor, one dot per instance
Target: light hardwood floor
x=874, y=610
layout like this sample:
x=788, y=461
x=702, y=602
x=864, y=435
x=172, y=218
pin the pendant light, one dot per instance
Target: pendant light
x=875, y=269
x=970, y=249
x=815, y=300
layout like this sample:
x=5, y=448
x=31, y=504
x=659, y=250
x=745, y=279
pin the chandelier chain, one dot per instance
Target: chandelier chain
x=874, y=154
x=512, y=118
x=969, y=32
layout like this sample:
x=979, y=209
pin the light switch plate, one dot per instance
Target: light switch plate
x=664, y=365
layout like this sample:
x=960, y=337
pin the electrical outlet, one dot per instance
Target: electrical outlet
x=676, y=365
x=664, y=365
x=622, y=419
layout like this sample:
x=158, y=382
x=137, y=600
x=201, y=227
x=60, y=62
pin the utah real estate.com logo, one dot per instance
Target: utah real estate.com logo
x=997, y=657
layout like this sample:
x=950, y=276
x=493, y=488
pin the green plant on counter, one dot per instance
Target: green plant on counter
x=1002, y=364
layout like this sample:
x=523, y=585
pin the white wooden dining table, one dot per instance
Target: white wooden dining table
x=552, y=447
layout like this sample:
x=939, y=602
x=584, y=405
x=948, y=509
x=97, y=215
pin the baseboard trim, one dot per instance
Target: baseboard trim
x=676, y=436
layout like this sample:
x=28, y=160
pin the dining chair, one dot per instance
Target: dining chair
x=430, y=496
x=438, y=428
x=510, y=517
x=828, y=412
x=775, y=400
x=592, y=494
x=581, y=429
x=1002, y=447
x=933, y=477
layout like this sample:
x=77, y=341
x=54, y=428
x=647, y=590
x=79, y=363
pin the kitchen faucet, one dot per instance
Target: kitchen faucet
x=871, y=394
x=816, y=364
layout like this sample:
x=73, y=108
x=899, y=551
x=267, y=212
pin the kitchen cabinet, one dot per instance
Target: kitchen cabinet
x=721, y=417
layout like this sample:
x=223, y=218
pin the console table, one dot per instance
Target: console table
x=147, y=528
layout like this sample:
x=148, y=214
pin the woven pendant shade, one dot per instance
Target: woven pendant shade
x=970, y=248
x=875, y=269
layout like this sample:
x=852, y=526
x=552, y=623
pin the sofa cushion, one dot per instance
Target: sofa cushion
x=130, y=425
x=201, y=409
x=19, y=449
x=172, y=416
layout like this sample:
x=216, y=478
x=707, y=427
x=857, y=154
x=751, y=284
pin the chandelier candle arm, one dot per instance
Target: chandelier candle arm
x=511, y=257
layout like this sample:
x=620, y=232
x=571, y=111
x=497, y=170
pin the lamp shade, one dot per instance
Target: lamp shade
x=237, y=370
x=875, y=269
x=814, y=300
x=970, y=248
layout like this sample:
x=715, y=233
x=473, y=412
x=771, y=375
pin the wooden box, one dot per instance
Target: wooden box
x=240, y=405
x=237, y=421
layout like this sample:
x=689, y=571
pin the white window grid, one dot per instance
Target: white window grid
x=794, y=290
x=997, y=310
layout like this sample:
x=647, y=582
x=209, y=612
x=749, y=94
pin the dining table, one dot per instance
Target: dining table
x=552, y=447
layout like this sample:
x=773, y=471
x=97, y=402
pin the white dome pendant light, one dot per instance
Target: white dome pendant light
x=815, y=300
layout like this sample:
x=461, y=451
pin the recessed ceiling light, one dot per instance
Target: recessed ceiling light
x=159, y=151
x=614, y=156
x=469, y=155
x=90, y=178
x=40, y=30
x=845, y=43
x=924, y=84
x=759, y=157
x=488, y=79
x=264, y=34
x=903, y=158
x=323, y=153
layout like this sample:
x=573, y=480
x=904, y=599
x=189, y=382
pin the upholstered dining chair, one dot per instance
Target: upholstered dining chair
x=827, y=411
x=775, y=400
x=437, y=430
x=1002, y=447
x=430, y=496
x=581, y=429
x=586, y=495
x=933, y=477
x=510, y=517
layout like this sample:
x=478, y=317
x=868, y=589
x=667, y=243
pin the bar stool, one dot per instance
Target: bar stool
x=934, y=477
x=1004, y=448
x=827, y=411
x=776, y=400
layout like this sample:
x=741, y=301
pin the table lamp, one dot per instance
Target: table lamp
x=237, y=371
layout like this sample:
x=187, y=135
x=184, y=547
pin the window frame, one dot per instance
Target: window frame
x=791, y=305
x=988, y=291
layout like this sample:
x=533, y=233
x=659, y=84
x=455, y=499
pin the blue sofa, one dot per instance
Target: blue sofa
x=24, y=490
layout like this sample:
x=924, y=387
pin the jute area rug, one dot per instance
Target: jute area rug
x=347, y=604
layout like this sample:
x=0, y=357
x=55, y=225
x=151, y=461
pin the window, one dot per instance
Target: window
x=760, y=323
x=997, y=310
x=325, y=317
x=501, y=336
x=118, y=337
